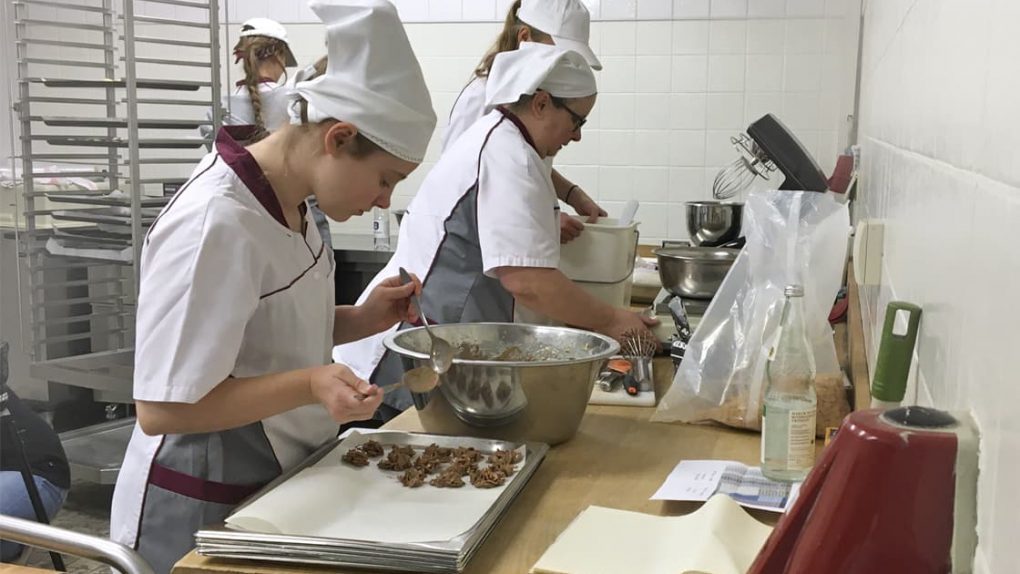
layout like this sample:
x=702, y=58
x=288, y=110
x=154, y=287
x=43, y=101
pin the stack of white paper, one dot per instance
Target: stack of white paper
x=720, y=538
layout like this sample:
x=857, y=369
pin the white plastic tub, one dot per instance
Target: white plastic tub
x=604, y=252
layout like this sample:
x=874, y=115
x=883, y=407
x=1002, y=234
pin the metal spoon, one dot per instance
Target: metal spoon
x=417, y=380
x=442, y=351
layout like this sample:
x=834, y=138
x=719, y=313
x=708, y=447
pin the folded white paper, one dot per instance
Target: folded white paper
x=697, y=480
x=719, y=538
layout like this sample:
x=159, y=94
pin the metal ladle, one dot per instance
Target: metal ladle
x=441, y=352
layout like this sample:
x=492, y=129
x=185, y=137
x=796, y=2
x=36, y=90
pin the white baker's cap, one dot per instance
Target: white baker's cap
x=567, y=21
x=535, y=66
x=372, y=78
x=270, y=29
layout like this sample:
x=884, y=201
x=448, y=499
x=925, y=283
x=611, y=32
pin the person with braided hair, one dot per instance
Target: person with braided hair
x=260, y=98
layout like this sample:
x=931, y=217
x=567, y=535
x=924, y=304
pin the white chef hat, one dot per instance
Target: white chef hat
x=567, y=21
x=372, y=78
x=533, y=67
x=270, y=29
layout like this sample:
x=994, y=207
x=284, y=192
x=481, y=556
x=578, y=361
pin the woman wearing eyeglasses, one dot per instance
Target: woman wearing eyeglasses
x=483, y=229
x=563, y=23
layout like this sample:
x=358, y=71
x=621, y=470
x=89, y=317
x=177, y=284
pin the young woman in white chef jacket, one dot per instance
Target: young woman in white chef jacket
x=564, y=23
x=482, y=230
x=233, y=382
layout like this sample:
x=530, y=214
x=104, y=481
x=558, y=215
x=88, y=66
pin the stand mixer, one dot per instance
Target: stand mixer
x=691, y=273
x=767, y=145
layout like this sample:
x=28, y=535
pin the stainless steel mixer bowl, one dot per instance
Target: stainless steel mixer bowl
x=694, y=272
x=712, y=223
x=539, y=394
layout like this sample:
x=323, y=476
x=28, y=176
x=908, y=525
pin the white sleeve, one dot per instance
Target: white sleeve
x=518, y=223
x=199, y=288
x=466, y=111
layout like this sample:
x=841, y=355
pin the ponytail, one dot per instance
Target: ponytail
x=508, y=39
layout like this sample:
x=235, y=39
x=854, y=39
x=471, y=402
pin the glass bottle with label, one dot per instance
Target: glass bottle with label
x=788, y=421
x=381, y=229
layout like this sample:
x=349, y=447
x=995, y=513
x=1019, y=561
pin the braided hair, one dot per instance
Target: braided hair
x=253, y=51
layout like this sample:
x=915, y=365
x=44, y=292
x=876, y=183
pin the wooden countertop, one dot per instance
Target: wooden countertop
x=618, y=459
x=18, y=569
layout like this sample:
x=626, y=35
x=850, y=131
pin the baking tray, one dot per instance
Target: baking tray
x=105, y=215
x=438, y=556
x=140, y=83
x=87, y=249
x=104, y=199
x=62, y=121
x=91, y=235
x=104, y=141
x=96, y=453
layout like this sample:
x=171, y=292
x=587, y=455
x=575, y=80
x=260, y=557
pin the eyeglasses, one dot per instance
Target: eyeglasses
x=579, y=120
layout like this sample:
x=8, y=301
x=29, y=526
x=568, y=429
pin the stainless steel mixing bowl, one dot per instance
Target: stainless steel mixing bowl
x=712, y=223
x=510, y=381
x=695, y=272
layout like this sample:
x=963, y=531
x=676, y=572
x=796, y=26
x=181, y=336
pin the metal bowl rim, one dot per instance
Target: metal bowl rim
x=714, y=203
x=614, y=347
x=706, y=255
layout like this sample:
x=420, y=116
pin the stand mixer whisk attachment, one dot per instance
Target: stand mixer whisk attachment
x=737, y=176
x=639, y=347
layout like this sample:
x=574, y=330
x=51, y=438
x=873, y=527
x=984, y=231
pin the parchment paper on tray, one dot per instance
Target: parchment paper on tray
x=332, y=499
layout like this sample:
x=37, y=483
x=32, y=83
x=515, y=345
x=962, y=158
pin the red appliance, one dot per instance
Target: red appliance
x=895, y=492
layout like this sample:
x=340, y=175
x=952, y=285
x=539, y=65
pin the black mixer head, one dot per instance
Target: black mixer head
x=784, y=150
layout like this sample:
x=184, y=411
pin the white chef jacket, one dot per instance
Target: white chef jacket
x=274, y=106
x=227, y=290
x=467, y=109
x=487, y=203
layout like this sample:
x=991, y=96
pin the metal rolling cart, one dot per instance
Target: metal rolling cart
x=109, y=105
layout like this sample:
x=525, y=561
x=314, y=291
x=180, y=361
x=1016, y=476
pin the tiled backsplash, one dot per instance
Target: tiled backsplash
x=292, y=12
x=940, y=150
x=679, y=79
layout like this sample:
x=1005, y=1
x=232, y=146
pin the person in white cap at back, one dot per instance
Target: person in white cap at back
x=236, y=320
x=482, y=230
x=564, y=23
x=260, y=99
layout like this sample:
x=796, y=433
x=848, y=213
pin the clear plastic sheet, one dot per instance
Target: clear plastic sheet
x=792, y=237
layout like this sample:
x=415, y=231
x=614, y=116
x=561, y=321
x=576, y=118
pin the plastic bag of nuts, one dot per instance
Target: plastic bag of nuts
x=833, y=406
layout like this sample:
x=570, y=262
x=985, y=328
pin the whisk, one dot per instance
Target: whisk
x=639, y=343
x=639, y=346
x=739, y=174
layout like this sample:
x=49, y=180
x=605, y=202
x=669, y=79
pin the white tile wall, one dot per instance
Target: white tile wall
x=939, y=154
x=654, y=9
x=691, y=8
x=680, y=77
x=729, y=8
